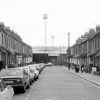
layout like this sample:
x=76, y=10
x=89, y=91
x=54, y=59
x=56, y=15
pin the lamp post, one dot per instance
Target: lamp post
x=68, y=50
x=60, y=56
x=45, y=17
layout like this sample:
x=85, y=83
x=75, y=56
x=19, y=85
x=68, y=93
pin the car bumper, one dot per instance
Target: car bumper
x=17, y=85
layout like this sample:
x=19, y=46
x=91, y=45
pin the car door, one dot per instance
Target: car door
x=25, y=76
x=32, y=71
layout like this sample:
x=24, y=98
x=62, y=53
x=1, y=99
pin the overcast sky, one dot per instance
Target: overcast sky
x=26, y=18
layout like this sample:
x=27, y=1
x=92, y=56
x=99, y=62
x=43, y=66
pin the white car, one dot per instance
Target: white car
x=42, y=65
x=6, y=92
x=33, y=68
x=31, y=74
x=49, y=64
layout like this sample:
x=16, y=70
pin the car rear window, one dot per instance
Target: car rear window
x=11, y=72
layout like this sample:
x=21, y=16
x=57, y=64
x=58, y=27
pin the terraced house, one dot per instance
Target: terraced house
x=86, y=50
x=12, y=49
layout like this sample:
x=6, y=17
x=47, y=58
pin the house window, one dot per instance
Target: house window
x=14, y=44
x=95, y=44
x=5, y=40
x=8, y=42
x=99, y=42
x=11, y=44
x=2, y=39
x=91, y=58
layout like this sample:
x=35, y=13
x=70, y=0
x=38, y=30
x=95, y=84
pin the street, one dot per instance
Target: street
x=55, y=83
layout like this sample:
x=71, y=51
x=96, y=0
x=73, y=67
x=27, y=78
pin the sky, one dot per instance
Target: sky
x=25, y=17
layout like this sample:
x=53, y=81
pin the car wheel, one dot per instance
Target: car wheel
x=24, y=89
x=33, y=80
x=37, y=77
x=30, y=82
x=28, y=86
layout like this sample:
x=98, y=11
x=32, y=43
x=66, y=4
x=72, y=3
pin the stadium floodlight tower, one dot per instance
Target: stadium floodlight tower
x=45, y=17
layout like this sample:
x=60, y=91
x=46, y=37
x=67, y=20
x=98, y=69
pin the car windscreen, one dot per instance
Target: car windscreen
x=32, y=69
x=11, y=72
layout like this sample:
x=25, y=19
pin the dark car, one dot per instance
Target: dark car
x=16, y=77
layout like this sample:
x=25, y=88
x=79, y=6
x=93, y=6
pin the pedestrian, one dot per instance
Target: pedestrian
x=76, y=68
x=82, y=68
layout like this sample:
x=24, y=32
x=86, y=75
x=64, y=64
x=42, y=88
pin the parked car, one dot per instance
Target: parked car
x=30, y=73
x=34, y=70
x=6, y=92
x=48, y=64
x=12, y=66
x=42, y=66
x=38, y=67
x=16, y=77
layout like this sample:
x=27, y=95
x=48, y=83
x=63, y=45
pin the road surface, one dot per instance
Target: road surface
x=55, y=83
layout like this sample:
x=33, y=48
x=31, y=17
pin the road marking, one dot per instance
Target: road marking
x=83, y=98
x=26, y=98
x=52, y=98
x=29, y=93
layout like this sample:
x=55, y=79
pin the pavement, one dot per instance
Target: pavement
x=87, y=76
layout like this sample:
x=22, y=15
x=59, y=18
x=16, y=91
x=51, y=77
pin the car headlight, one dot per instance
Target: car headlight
x=18, y=80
